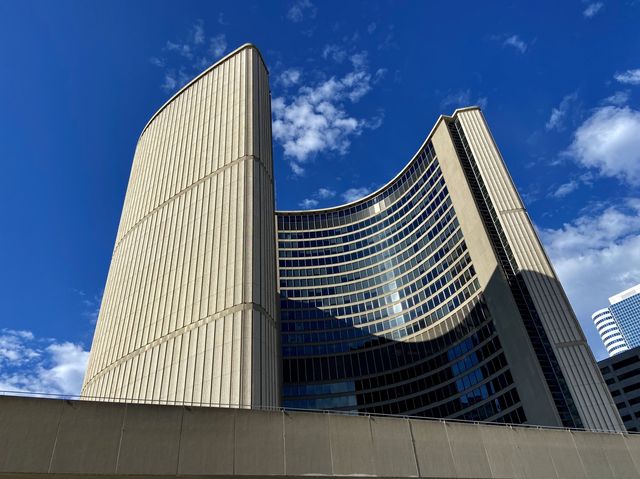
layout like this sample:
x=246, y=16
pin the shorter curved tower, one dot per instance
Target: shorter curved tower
x=189, y=312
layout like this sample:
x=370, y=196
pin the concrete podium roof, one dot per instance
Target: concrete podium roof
x=69, y=439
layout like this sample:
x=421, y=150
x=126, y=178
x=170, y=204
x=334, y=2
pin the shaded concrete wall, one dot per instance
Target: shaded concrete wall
x=588, y=390
x=189, y=311
x=80, y=438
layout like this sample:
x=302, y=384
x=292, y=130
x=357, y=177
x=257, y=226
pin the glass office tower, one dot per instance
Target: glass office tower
x=432, y=296
x=619, y=324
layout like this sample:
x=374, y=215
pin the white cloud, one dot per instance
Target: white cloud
x=558, y=114
x=566, y=188
x=217, y=45
x=592, y=9
x=183, y=60
x=353, y=194
x=183, y=49
x=463, y=98
x=158, y=62
x=289, y=77
x=630, y=77
x=325, y=193
x=37, y=365
x=308, y=203
x=619, y=98
x=609, y=141
x=300, y=9
x=372, y=27
x=198, y=32
x=335, y=52
x=595, y=256
x=314, y=199
x=315, y=119
x=516, y=42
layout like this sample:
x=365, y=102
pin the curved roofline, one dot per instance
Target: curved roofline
x=195, y=79
x=388, y=183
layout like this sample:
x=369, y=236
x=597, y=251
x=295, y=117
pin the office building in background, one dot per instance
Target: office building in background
x=619, y=324
x=430, y=297
x=622, y=375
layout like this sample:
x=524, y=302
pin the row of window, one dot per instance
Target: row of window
x=390, y=245
x=348, y=331
x=417, y=320
x=288, y=221
x=418, y=253
x=423, y=197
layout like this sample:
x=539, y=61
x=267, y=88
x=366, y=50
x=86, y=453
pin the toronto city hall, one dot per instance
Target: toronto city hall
x=432, y=296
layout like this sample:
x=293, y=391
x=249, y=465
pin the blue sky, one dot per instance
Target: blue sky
x=559, y=83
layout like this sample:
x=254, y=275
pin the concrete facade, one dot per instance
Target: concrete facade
x=432, y=296
x=189, y=311
x=531, y=263
x=74, y=439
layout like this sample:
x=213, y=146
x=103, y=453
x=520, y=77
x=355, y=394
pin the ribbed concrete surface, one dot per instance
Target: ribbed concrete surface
x=189, y=308
x=70, y=439
x=594, y=404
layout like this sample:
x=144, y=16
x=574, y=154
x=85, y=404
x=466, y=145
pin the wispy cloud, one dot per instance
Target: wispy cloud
x=558, y=114
x=301, y=9
x=316, y=197
x=91, y=304
x=181, y=60
x=41, y=365
x=315, y=118
x=619, y=98
x=514, y=41
x=308, y=203
x=572, y=185
x=592, y=9
x=289, y=77
x=630, y=77
x=462, y=98
x=565, y=189
x=353, y=194
x=608, y=142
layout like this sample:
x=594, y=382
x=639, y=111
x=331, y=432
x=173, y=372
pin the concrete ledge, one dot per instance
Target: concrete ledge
x=73, y=439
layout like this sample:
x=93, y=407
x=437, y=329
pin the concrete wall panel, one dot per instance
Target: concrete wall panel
x=28, y=430
x=592, y=454
x=502, y=453
x=393, y=453
x=88, y=438
x=351, y=445
x=433, y=453
x=206, y=445
x=533, y=454
x=307, y=443
x=563, y=452
x=469, y=455
x=150, y=440
x=259, y=443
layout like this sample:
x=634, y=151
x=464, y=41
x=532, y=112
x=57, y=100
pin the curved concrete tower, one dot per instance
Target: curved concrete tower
x=189, y=313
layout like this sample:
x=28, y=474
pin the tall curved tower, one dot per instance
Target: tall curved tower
x=189, y=312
